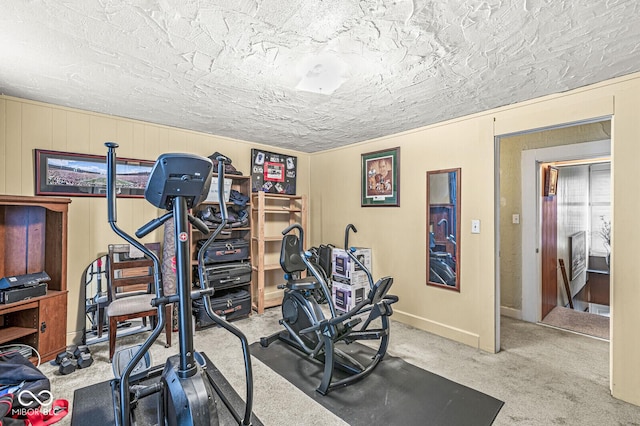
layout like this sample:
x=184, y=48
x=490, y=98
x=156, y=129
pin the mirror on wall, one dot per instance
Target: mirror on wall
x=443, y=228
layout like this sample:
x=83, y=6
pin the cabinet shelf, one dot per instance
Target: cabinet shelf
x=9, y=334
x=267, y=267
x=282, y=210
x=269, y=239
x=33, y=238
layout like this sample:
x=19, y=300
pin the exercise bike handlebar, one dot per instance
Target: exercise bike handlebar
x=350, y=227
x=294, y=226
x=351, y=250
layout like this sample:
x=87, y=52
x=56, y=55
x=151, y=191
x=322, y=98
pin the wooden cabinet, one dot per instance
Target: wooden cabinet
x=33, y=238
x=270, y=215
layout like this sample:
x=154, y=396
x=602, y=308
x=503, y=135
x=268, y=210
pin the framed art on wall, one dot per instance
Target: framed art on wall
x=380, y=178
x=85, y=175
x=578, y=253
x=550, y=181
x=273, y=173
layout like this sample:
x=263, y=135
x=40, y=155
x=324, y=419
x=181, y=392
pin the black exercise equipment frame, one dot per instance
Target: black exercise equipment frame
x=326, y=332
x=186, y=366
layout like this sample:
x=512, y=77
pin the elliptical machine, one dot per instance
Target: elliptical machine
x=187, y=390
x=306, y=327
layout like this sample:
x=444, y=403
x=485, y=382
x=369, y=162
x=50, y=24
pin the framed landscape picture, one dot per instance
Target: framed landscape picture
x=85, y=175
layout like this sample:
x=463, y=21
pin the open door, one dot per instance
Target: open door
x=549, y=254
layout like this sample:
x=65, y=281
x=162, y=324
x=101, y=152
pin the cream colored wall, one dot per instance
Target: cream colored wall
x=26, y=125
x=511, y=148
x=398, y=235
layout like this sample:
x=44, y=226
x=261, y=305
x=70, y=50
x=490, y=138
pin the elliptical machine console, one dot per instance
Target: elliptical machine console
x=187, y=391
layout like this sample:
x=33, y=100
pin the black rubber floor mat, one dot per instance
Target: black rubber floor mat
x=395, y=393
x=93, y=405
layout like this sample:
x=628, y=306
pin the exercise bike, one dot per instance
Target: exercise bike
x=309, y=331
x=186, y=388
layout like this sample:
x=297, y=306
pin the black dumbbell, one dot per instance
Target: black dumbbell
x=69, y=360
x=62, y=355
x=66, y=362
x=83, y=357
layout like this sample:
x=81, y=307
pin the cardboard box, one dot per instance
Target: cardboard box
x=345, y=270
x=213, y=190
x=346, y=296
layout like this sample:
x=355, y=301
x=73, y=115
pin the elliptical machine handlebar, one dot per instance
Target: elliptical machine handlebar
x=223, y=214
x=351, y=250
x=112, y=215
x=207, y=292
x=222, y=161
x=153, y=224
x=157, y=278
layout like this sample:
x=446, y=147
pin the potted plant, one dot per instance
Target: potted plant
x=605, y=234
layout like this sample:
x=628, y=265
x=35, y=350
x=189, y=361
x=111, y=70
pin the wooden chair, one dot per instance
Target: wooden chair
x=131, y=289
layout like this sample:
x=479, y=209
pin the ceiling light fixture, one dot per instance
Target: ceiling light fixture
x=322, y=73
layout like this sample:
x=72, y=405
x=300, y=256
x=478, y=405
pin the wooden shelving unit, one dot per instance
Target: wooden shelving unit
x=270, y=215
x=33, y=238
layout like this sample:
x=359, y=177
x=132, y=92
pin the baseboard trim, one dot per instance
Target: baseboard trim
x=511, y=312
x=453, y=333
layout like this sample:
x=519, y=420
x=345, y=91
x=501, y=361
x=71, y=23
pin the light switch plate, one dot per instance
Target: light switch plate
x=475, y=226
x=515, y=218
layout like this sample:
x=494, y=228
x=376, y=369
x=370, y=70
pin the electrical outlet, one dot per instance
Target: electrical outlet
x=475, y=226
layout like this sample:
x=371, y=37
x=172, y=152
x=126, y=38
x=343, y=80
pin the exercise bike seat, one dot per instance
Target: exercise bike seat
x=303, y=284
x=380, y=289
x=290, y=259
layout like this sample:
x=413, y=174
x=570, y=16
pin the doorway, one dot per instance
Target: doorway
x=520, y=186
x=575, y=238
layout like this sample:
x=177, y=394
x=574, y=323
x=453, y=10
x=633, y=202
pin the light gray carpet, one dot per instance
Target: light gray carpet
x=544, y=375
x=579, y=322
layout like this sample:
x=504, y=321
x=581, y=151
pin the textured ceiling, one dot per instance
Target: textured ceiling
x=309, y=75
